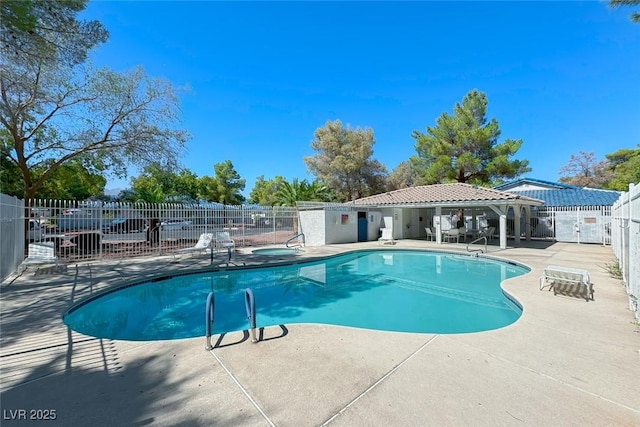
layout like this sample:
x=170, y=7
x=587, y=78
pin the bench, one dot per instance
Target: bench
x=555, y=275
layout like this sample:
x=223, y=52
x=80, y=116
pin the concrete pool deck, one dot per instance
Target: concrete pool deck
x=564, y=362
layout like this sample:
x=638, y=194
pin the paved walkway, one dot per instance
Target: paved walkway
x=564, y=362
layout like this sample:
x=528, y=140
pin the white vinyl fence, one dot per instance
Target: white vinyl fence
x=11, y=234
x=575, y=224
x=626, y=242
x=572, y=224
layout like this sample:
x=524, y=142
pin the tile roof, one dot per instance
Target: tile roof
x=508, y=185
x=573, y=197
x=442, y=194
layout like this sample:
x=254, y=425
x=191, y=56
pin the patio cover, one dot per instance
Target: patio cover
x=456, y=195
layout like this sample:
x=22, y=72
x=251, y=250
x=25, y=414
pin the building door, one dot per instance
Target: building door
x=362, y=226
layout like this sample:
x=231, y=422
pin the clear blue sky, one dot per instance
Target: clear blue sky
x=561, y=76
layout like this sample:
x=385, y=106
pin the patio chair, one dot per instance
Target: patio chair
x=462, y=233
x=487, y=232
x=203, y=245
x=40, y=253
x=561, y=278
x=491, y=231
x=386, y=237
x=430, y=235
x=224, y=241
x=454, y=233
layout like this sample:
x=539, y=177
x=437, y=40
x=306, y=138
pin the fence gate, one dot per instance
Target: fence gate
x=583, y=225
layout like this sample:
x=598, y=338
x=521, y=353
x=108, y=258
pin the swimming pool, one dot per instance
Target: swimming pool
x=392, y=290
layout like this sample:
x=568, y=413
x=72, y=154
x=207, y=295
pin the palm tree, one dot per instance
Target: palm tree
x=295, y=191
x=290, y=193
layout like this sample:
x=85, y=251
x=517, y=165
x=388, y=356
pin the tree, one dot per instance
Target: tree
x=403, y=176
x=47, y=31
x=635, y=17
x=625, y=167
x=72, y=181
x=344, y=161
x=295, y=191
x=264, y=191
x=463, y=147
x=584, y=170
x=55, y=109
x=158, y=185
x=225, y=186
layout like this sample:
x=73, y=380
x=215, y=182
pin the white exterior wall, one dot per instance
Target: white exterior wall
x=338, y=232
x=312, y=224
x=374, y=223
x=325, y=227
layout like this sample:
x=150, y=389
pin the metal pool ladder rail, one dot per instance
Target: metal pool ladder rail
x=209, y=312
x=250, y=306
x=295, y=237
x=478, y=250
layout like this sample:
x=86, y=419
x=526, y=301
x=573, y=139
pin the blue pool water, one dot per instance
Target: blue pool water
x=392, y=290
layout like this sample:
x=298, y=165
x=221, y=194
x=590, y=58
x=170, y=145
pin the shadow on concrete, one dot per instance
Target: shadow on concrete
x=137, y=395
x=245, y=337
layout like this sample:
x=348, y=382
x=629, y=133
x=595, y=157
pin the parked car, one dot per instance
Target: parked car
x=176, y=224
x=36, y=232
x=125, y=225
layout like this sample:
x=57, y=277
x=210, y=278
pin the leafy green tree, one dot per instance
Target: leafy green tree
x=55, y=108
x=146, y=189
x=635, y=16
x=209, y=189
x=72, y=181
x=584, y=170
x=157, y=184
x=10, y=179
x=463, y=147
x=264, y=191
x=344, y=161
x=225, y=186
x=47, y=31
x=625, y=167
x=186, y=187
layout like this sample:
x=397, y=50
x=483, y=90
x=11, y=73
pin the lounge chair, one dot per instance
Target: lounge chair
x=224, y=241
x=558, y=277
x=203, y=245
x=40, y=253
x=386, y=237
x=430, y=235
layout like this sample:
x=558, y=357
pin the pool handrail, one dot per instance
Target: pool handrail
x=295, y=237
x=250, y=306
x=477, y=240
x=209, y=316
